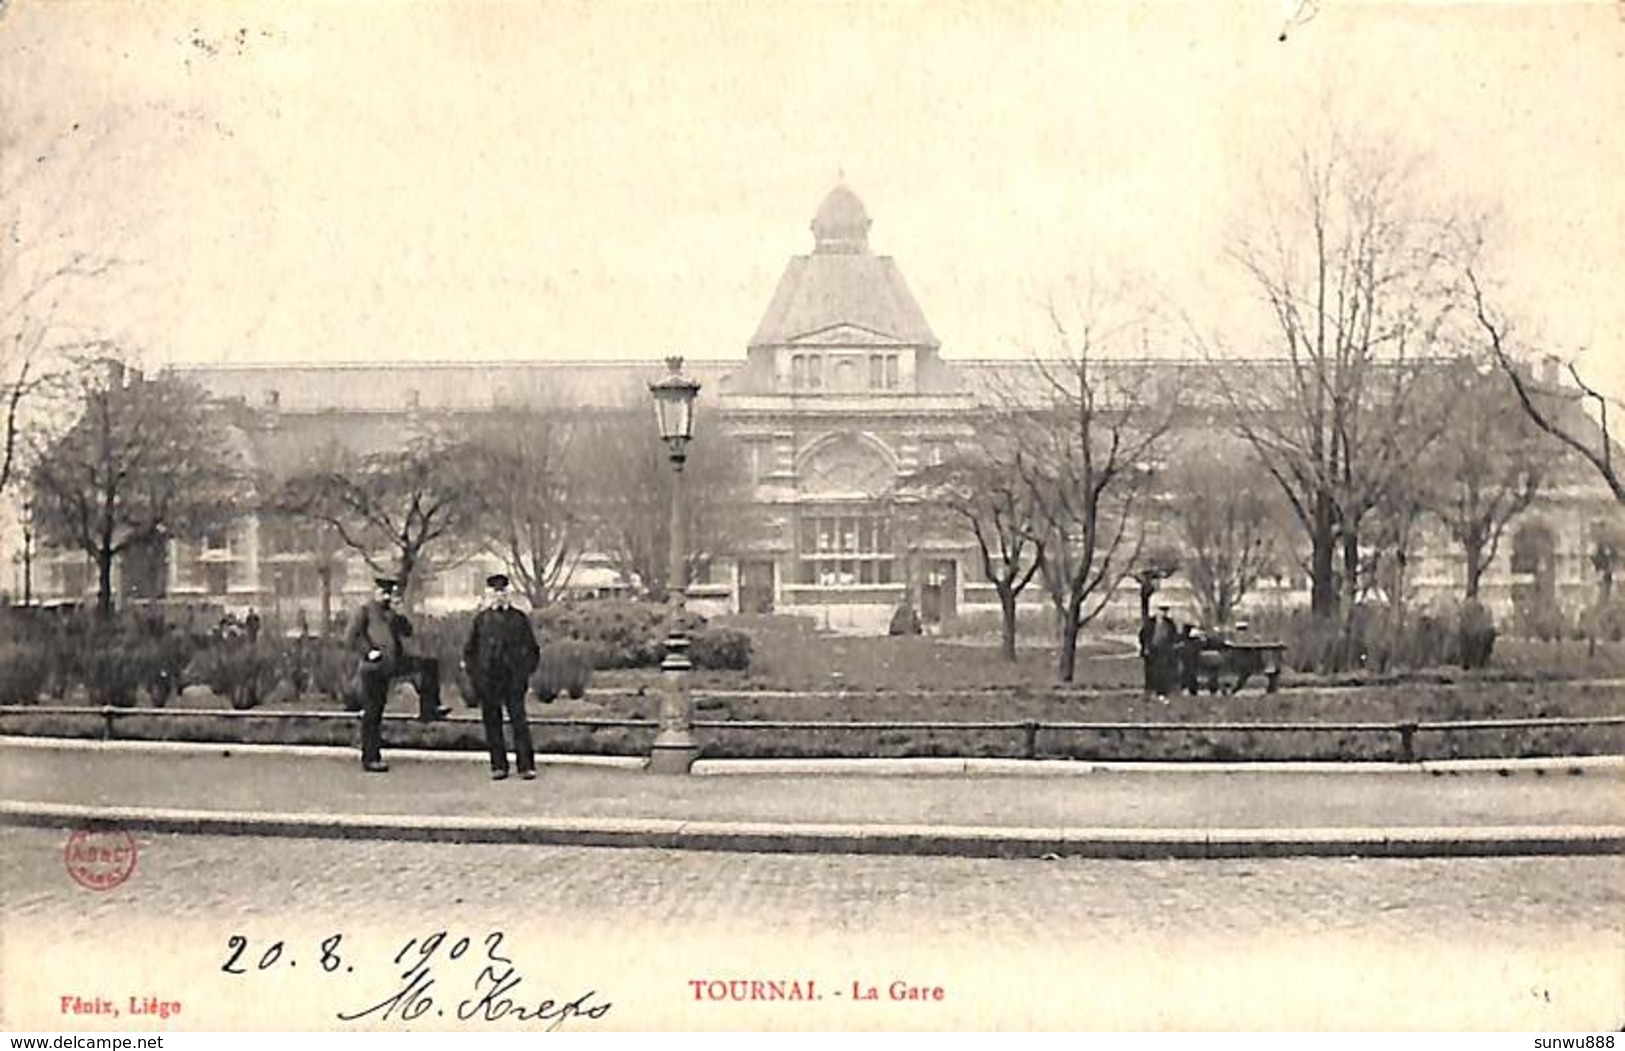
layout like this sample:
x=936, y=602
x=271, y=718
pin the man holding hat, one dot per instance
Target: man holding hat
x=500, y=655
x=377, y=636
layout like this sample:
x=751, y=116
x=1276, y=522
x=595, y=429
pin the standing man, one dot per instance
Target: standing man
x=1148, y=625
x=500, y=655
x=1164, y=659
x=377, y=636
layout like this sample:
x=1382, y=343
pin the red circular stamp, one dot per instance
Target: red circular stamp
x=100, y=857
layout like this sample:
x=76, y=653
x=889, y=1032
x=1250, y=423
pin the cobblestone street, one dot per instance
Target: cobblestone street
x=1493, y=943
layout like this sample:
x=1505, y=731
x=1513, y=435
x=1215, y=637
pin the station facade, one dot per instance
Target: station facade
x=842, y=392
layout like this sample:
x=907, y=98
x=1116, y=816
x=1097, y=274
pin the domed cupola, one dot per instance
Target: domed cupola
x=841, y=224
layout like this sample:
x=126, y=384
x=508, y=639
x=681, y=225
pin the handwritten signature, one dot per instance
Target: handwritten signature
x=492, y=996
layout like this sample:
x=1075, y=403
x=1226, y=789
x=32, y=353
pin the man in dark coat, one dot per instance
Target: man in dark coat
x=377, y=635
x=1163, y=654
x=500, y=655
x=1148, y=625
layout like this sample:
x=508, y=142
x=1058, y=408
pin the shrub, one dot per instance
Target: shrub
x=720, y=649
x=240, y=671
x=333, y=671
x=622, y=633
x=1603, y=622
x=443, y=637
x=1537, y=616
x=1370, y=638
x=565, y=667
x=24, y=670
x=904, y=621
x=1475, y=635
x=116, y=669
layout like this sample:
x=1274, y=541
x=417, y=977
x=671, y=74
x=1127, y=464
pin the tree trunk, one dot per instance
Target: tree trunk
x=1007, y=610
x=1069, y=645
x=1475, y=568
x=104, y=583
x=1351, y=568
x=1323, y=587
x=325, y=574
x=408, y=564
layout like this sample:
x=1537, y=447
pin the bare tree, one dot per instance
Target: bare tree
x=48, y=162
x=525, y=482
x=982, y=491
x=626, y=487
x=1228, y=525
x=33, y=273
x=145, y=460
x=1485, y=470
x=1592, y=439
x=1087, y=438
x=390, y=507
x=1360, y=292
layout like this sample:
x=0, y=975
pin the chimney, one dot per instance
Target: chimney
x=1548, y=374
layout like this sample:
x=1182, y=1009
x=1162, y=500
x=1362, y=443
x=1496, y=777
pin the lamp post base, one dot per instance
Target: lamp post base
x=672, y=754
x=674, y=749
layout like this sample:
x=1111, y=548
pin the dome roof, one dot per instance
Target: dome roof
x=841, y=223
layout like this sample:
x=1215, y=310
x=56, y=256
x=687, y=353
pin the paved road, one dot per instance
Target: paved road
x=1494, y=944
x=271, y=780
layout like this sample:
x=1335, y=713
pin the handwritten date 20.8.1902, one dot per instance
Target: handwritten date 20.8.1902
x=416, y=990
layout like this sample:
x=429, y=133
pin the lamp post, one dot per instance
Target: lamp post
x=674, y=749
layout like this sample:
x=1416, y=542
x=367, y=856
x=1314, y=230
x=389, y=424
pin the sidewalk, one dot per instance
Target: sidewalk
x=875, y=806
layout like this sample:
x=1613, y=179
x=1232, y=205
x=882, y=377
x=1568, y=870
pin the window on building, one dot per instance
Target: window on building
x=883, y=371
x=216, y=578
x=846, y=550
x=217, y=539
x=183, y=556
x=815, y=371
x=759, y=458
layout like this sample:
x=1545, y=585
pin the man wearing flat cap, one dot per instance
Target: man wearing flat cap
x=500, y=655
x=377, y=637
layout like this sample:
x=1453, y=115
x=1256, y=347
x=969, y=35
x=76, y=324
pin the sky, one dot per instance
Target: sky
x=565, y=181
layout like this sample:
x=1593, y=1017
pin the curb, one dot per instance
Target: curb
x=911, y=767
x=969, y=842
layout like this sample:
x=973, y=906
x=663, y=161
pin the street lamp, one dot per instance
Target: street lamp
x=674, y=749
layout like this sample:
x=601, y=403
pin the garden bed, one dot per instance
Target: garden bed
x=1358, y=724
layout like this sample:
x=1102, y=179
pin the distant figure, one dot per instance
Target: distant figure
x=501, y=654
x=229, y=628
x=377, y=635
x=1147, y=626
x=1162, y=658
x=1244, y=662
x=251, y=625
x=1189, y=652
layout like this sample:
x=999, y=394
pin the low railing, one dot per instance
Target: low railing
x=1028, y=729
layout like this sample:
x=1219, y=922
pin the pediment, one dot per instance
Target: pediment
x=846, y=335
